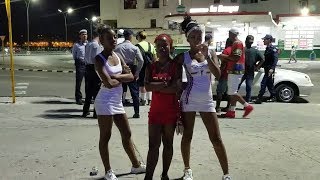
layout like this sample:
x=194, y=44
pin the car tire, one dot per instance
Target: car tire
x=286, y=93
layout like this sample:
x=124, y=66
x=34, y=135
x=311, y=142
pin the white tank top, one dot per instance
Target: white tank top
x=199, y=80
x=111, y=70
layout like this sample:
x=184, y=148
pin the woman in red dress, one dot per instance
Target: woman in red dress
x=162, y=79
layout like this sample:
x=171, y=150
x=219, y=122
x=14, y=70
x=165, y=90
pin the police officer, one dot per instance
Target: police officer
x=130, y=53
x=92, y=80
x=78, y=52
x=269, y=65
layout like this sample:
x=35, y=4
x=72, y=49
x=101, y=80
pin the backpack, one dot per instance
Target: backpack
x=147, y=56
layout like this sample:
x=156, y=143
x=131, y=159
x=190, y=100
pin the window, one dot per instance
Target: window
x=130, y=4
x=165, y=2
x=303, y=3
x=216, y=2
x=249, y=1
x=153, y=23
x=234, y=1
x=112, y=23
x=151, y=4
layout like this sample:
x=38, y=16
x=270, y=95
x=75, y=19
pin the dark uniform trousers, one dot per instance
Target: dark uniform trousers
x=134, y=90
x=267, y=82
x=80, y=71
x=92, y=86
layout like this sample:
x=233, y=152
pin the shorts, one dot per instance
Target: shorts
x=163, y=118
x=233, y=83
x=222, y=86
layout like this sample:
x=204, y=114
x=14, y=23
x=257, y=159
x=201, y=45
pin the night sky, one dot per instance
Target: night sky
x=45, y=19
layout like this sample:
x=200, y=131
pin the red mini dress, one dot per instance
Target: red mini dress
x=164, y=108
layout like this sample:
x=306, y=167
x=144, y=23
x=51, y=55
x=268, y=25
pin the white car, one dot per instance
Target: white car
x=288, y=85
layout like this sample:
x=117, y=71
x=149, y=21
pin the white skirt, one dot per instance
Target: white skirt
x=194, y=106
x=109, y=102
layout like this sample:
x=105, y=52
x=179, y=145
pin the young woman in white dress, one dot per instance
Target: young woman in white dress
x=199, y=66
x=108, y=104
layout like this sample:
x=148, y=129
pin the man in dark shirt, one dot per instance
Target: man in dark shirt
x=252, y=57
x=269, y=65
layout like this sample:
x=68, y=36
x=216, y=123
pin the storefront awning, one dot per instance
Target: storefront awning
x=225, y=19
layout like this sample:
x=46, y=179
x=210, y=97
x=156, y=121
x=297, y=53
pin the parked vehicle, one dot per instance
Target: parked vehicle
x=288, y=85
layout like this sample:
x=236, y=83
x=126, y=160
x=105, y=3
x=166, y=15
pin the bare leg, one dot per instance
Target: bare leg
x=210, y=120
x=188, y=123
x=167, y=140
x=153, y=153
x=236, y=98
x=122, y=123
x=105, y=126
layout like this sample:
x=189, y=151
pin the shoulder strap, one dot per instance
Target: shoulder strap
x=141, y=49
x=149, y=47
x=102, y=57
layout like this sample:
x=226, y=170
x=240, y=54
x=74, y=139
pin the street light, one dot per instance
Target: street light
x=65, y=14
x=93, y=19
x=27, y=2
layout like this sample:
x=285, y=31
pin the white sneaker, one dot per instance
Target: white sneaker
x=187, y=174
x=140, y=169
x=226, y=177
x=110, y=175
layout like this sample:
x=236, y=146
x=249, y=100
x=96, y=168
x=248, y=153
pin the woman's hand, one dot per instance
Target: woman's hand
x=203, y=49
x=126, y=69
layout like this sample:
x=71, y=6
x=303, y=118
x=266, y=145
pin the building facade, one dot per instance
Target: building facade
x=286, y=23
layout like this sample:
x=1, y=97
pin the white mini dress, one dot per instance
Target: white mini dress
x=197, y=96
x=109, y=101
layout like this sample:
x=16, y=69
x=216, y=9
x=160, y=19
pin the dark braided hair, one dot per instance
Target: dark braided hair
x=187, y=24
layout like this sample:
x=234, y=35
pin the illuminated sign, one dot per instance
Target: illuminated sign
x=213, y=8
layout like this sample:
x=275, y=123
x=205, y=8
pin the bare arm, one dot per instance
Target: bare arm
x=103, y=74
x=149, y=85
x=260, y=59
x=230, y=57
x=213, y=65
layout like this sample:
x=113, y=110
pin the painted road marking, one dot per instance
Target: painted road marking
x=21, y=88
x=22, y=84
x=20, y=92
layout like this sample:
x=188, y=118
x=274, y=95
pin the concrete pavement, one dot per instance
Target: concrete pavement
x=45, y=138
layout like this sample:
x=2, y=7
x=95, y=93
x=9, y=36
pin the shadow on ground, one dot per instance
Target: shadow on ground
x=128, y=174
x=64, y=110
x=53, y=102
x=60, y=116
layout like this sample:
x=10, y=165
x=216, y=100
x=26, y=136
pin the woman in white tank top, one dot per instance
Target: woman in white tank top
x=108, y=104
x=199, y=65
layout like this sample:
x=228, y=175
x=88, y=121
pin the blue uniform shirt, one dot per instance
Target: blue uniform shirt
x=130, y=53
x=78, y=52
x=271, y=57
x=92, y=50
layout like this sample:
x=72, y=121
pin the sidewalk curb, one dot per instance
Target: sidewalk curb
x=40, y=70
